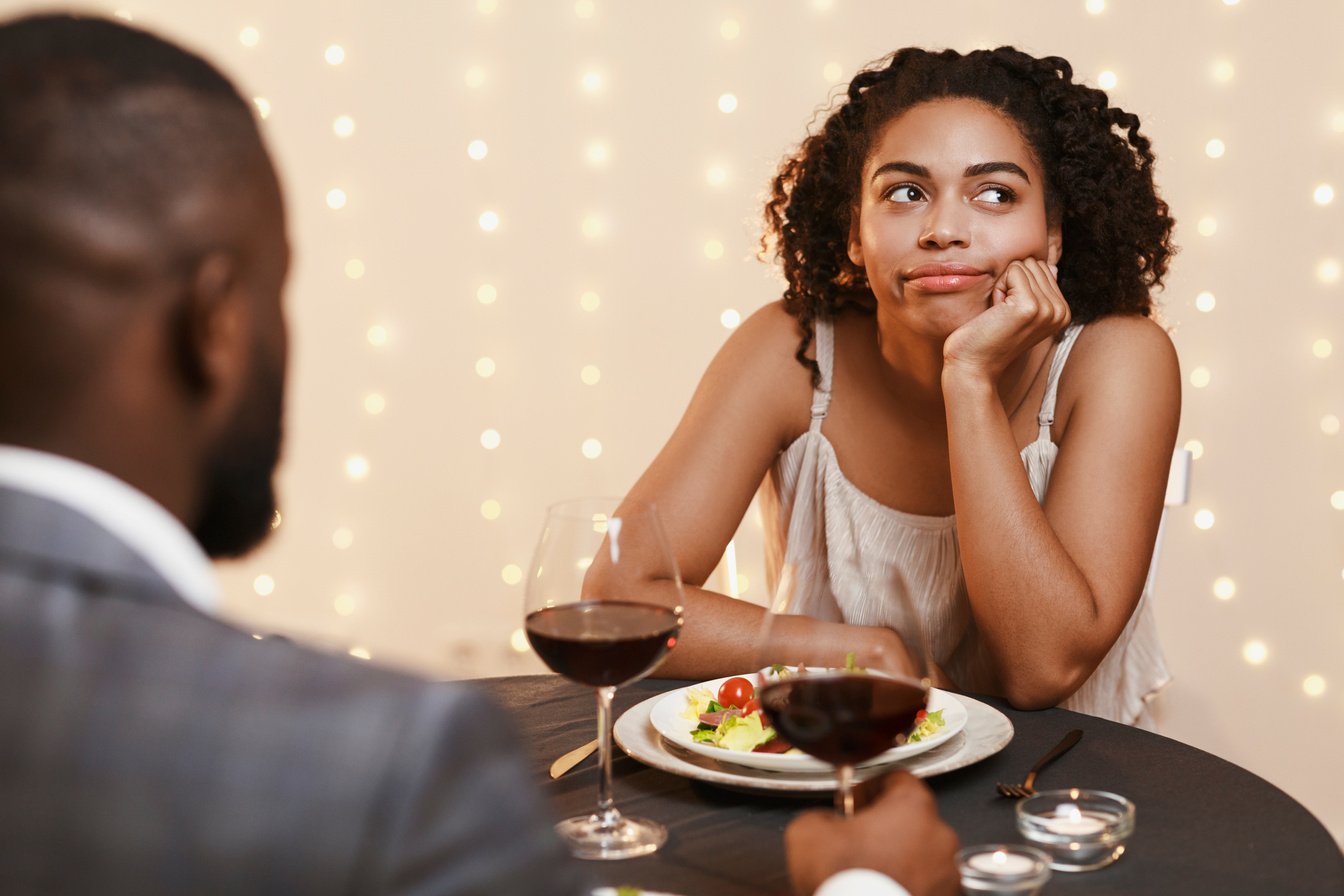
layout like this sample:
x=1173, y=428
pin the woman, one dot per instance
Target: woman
x=958, y=228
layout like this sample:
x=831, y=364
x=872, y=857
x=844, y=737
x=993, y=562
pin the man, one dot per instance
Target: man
x=147, y=746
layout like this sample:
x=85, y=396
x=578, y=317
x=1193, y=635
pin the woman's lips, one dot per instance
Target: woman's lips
x=945, y=277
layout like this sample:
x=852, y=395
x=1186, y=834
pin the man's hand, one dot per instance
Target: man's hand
x=899, y=834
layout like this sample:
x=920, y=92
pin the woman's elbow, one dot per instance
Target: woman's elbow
x=1043, y=688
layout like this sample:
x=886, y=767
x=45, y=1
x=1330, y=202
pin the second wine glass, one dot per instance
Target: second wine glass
x=603, y=607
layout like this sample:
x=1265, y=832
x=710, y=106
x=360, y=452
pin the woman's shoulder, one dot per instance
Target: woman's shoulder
x=758, y=366
x=1125, y=356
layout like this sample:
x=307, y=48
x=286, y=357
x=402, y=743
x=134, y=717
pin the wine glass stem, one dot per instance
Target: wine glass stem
x=606, y=808
x=844, y=794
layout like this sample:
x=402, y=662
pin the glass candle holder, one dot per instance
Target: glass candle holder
x=1003, y=869
x=1080, y=830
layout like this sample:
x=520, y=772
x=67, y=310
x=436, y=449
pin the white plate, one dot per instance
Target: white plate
x=987, y=731
x=668, y=719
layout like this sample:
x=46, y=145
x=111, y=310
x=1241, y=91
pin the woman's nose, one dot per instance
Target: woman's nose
x=945, y=225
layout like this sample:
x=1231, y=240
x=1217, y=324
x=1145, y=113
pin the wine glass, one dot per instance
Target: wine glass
x=842, y=695
x=603, y=607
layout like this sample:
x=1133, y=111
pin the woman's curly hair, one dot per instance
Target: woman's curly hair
x=1098, y=173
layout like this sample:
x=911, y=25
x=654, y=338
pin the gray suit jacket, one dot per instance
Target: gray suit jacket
x=149, y=748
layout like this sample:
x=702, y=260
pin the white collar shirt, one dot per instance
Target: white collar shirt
x=129, y=514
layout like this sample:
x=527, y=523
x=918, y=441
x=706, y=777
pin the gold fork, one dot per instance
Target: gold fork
x=1028, y=787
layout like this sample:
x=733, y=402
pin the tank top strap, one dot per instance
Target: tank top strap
x=1046, y=417
x=824, y=340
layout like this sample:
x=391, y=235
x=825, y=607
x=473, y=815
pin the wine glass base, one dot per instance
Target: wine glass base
x=592, y=837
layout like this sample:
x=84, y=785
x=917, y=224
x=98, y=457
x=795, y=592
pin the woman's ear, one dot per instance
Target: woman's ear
x=855, y=247
x=1054, y=245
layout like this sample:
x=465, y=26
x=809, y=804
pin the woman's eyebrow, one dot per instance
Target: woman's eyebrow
x=995, y=168
x=903, y=167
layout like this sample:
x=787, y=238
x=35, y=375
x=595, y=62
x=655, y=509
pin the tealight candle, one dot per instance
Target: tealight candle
x=1003, y=870
x=1078, y=829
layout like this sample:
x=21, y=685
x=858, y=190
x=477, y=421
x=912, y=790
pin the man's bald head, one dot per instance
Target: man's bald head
x=142, y=255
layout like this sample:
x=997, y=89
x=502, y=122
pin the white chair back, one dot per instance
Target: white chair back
x=1178, y=494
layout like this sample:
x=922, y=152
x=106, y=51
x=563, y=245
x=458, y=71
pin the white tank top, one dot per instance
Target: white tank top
x=838, y=554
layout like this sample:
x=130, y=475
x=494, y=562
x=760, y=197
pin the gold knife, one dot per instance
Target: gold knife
x=572, y=758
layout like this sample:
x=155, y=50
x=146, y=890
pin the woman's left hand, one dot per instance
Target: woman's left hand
x=1026, y=306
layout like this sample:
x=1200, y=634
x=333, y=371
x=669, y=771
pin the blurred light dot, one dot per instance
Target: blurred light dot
x=486, y=7
x=511, y=574
x=263, y=106
x=590, y=375
x=1204, y=519
x=831, y=72
x=1330, y=425
x=1224, y=588
x=477, y=149
x=377, y=335
x=584, y=9
x=263, y=585
x=1231, y=2
x=336, y=198
x=485, y=368
x=489, y=221
x=592, y=448
x=1223, y=71
x=360, y=653
x=124, y=15
x=1313, y=685
x=1096, y=7
x=1195, y=447
x=1337, y=500
x=354, y=268
x=342, y=538
x=1324, y=194
x=490, y=439
x=823, y=5
x=1255, y=652
x=716, y=175
x=1328, y=271
x=590, y=301
x=249, y=36
x=591, y=81
x=1215, y=148
x=374, y=403
x=743, y=583
x=474, y=77
x=486, y=294
x=518, y=641
x=730, y=318
x=343, y=126
x=593, y=227
x=713, y=250
x=730, y=29
x=1322, y=348
x=356, y=467
x=727, y=103
x=344, y=605
x=490, y=509
x=335, y=54
x=1208, y=226
x=1200, y=377
x=1205, y=301
x=596, y=153
x=1107, y=80
x=276, y=520
x=1337, y=122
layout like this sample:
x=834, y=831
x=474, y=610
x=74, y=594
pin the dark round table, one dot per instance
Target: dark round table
x=1204, y=825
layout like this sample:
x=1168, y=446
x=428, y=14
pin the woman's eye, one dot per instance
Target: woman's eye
x=996, y=195
x=905, y=193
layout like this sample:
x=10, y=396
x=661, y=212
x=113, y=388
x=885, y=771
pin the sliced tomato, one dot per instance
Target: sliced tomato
x=736, y=692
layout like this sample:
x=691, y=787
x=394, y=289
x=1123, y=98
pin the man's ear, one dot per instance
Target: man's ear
x=1054, y=244
x=855, y=247
x=212, y=337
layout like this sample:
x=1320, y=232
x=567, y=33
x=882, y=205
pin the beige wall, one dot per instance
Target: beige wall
x=404, y=564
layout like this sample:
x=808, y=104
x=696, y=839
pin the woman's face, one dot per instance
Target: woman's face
x=951, y=194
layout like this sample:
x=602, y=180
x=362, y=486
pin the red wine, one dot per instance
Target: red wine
x=843, y=719
x=603, y=643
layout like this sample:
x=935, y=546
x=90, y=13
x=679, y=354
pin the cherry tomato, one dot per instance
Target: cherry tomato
x=736, y=692
x=751, y=706
x=921, y=715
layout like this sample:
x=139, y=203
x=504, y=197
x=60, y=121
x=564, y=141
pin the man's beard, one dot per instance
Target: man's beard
x=238, y=503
